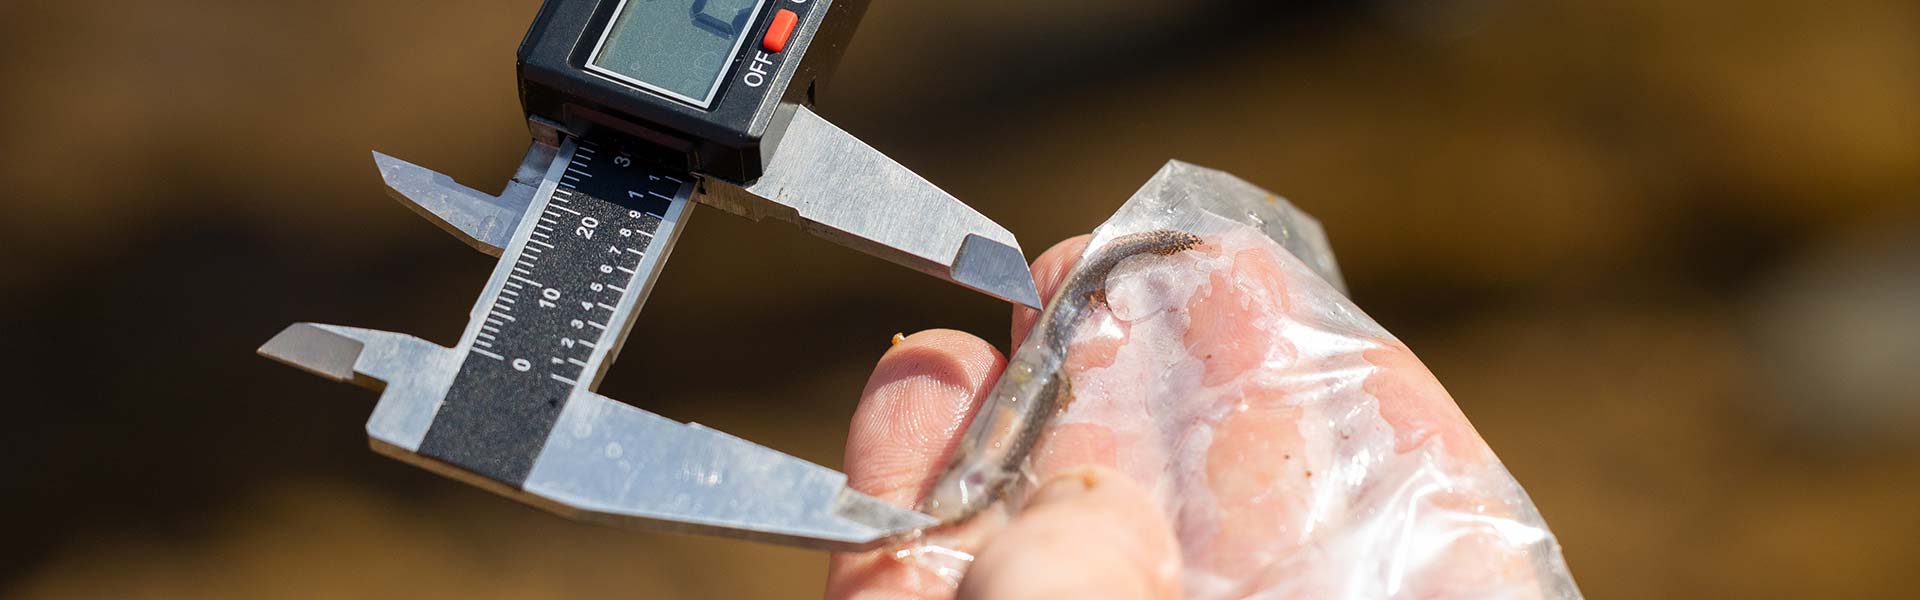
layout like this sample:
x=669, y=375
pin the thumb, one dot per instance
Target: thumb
x=1088, y=533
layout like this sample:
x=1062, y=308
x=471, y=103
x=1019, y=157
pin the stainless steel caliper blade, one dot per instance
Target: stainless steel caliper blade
x=511, y=407
x=823, y=179
x=484, y=221
x=832, y=184
x=605, y=461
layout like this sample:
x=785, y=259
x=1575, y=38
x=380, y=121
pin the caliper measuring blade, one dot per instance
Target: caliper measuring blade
x=511, y=408
x=828, y=182
x=484, y=221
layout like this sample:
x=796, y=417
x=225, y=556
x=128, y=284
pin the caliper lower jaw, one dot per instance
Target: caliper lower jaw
x=411, y=374
x=605, y=461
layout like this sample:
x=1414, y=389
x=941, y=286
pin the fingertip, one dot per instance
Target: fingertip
x=1088, y=533
x=921, y=395
x=946, y=353
x=916, y=403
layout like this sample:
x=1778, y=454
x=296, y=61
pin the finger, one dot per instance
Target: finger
x=915, y=406
x=1089, y=533
x=1048, y=271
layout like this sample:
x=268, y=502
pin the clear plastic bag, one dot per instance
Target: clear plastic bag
x=1295, y=446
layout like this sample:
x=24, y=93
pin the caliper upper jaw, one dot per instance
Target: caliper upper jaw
x=482, y=220
x=831, y=184
x=823, y=180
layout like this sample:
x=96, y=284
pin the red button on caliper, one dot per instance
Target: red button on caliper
x=780, y=30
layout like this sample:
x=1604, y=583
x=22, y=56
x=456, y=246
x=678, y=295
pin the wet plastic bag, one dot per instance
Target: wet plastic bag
x=1296, y=447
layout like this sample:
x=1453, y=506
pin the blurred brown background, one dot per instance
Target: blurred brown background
x=1665, y=254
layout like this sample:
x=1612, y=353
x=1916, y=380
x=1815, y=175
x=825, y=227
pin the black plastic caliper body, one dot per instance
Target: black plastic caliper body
x=701, y=82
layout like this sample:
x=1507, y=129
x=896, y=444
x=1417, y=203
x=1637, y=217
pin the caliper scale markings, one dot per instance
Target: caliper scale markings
x=568, y=277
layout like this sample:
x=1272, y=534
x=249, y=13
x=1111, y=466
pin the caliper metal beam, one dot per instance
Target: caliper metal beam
x=582, y=231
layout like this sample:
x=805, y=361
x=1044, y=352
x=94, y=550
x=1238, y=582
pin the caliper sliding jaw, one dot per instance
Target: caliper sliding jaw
x=474, y=412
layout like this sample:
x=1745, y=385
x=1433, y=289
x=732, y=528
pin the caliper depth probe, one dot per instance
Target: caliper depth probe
x=639, y=108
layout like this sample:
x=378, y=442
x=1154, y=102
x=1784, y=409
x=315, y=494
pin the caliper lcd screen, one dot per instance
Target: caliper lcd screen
x=678, y=48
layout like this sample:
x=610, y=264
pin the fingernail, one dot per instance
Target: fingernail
x=1066, y=487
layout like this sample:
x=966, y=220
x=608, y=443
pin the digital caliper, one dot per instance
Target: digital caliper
x=639, y=108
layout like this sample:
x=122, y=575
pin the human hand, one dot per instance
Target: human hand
x=1236, y=427
x=1088, y=532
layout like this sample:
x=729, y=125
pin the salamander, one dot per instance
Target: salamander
x=1032, y=388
